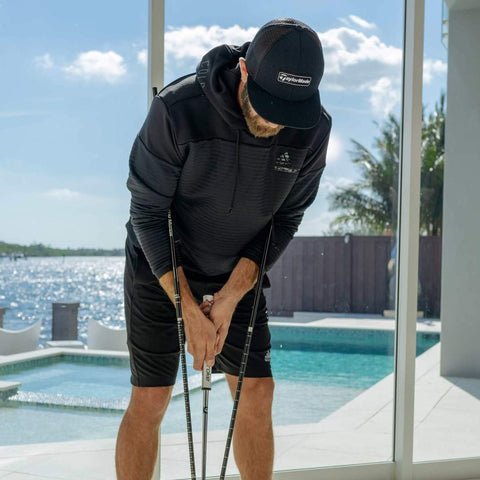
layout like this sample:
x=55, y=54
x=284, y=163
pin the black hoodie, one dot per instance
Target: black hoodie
x=195, y=155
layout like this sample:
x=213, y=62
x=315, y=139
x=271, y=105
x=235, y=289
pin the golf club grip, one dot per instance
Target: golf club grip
x=207, y=371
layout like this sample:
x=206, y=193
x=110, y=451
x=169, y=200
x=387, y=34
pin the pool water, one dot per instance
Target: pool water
x=96, y=385
x=91, y=394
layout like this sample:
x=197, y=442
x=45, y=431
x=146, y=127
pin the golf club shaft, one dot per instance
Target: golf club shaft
x=206, y=387
x=181, y=341
x=204, y=436
x=246, y=350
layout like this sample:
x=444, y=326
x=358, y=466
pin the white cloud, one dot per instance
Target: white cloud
x=359, y=62
x=61, y=194
x=331, y=184
x=345, y=21
x=361, y=22
x=18, y=113
x=316, y=221
x=191, y=43
x=86, y=199
x=355, y=61
x=318, y=216
x=355, y=21
x=106, y=66
x=44, y=61
x=384, y=95
x=335, y=148
x=433, y=67
x=142, y=57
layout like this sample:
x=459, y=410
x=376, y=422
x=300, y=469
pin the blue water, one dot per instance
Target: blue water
x=316, y=370
x=29, y=287
x=309, y=386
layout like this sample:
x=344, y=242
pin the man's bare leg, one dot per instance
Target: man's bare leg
x=137, y=441
x=253, y=435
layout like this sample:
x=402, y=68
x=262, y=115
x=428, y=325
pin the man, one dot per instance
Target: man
x=238, y=143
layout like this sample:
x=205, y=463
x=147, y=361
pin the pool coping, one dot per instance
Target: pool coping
x=342, y=322
x=8, y=385
x=8, y=389
x=42, y=353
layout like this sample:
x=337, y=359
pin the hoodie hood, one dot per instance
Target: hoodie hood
x=219, y=75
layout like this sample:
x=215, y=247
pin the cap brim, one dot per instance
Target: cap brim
x=302, y=114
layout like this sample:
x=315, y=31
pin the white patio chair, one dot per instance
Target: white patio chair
x=101, y=337
x=19, y=341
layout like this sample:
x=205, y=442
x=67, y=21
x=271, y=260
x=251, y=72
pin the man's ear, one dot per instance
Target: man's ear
x=243, y=69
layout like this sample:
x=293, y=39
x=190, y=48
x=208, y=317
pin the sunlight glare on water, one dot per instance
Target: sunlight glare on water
x=29, y=287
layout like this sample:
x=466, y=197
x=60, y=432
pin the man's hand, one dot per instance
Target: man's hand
x=221, y=314
x=206, y=336
x=206, y=308
x=200, y=333
x=201, y=337
x=225, y=301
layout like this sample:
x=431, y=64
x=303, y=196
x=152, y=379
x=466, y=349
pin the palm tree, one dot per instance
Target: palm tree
x=369, y=207
x=433, y=160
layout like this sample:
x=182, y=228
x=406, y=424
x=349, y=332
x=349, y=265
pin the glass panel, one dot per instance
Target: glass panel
x=72, y=97
x=331, y=301
x=447, y=396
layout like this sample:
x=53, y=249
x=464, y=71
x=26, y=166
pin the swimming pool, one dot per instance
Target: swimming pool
x=74, y=397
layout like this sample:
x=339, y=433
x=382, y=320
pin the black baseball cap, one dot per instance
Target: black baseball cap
x=285, y=64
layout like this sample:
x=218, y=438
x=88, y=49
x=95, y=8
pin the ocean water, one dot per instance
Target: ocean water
x=29, y=287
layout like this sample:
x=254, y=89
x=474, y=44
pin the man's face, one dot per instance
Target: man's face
x=258, y=126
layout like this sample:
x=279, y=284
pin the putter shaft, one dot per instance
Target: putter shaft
x=206, y=387
x=205, y=430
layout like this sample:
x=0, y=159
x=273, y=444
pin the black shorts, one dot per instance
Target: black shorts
x=152, y=334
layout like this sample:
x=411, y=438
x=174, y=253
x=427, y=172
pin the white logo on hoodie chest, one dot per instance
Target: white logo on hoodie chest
x=283, y=163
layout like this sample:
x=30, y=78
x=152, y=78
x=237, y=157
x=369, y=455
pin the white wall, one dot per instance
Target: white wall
x=460, y=303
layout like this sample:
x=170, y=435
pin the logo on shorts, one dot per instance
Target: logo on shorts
x=291, y=79
x=267, y=356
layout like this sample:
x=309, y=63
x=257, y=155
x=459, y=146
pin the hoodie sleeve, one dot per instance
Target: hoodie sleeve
x=288, y=217
x=155, y=165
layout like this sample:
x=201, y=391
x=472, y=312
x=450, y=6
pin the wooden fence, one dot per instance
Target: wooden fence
x=348, y=274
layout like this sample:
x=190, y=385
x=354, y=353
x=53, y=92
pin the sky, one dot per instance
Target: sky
x=73, y=97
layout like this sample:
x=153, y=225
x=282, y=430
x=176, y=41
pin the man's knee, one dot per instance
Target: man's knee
x=149, y=402
x=257, y=394
x=262, y=387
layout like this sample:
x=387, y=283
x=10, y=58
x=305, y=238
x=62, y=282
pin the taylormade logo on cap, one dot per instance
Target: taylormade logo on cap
x=285, y=65
x=292, y=79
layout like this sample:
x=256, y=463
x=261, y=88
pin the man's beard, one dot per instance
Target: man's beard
x=253, y=121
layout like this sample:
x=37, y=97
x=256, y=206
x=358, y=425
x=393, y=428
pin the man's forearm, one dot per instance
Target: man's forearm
x=187, y=299
x=241, y=280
